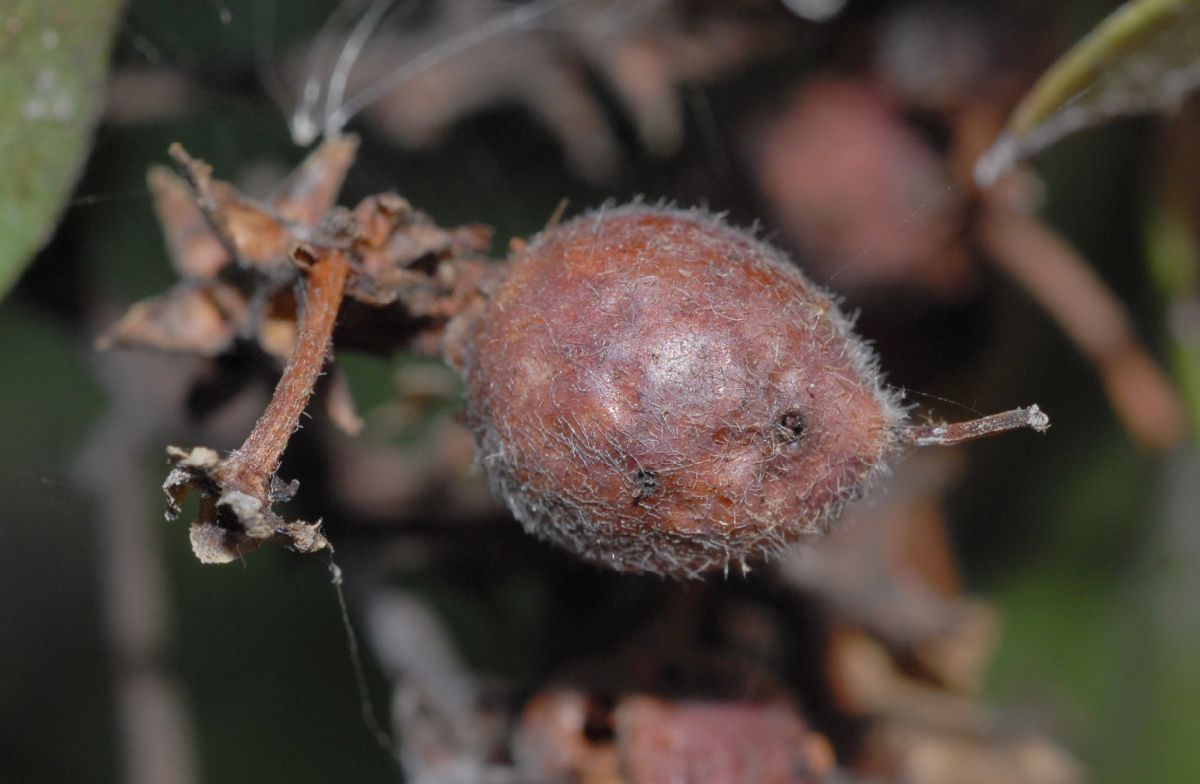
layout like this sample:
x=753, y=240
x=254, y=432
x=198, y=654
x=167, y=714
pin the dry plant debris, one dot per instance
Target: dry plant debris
x=275, y=275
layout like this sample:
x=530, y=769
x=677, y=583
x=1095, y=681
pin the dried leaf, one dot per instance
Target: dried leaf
x=231, y=522
x=312, y=190
x=251, y=231
x=191, y=318
x=195, y=251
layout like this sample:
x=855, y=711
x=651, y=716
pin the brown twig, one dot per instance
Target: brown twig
x=251, y=467
x=156, y=727
x=237, y=493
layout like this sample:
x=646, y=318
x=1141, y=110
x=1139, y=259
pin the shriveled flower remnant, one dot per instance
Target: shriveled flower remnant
x=276, y=274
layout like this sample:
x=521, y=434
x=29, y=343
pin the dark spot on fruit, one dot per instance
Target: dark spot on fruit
x=647, y=485
x=791, y=426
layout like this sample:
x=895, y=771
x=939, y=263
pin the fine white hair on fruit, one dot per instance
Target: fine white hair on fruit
x=657, y=391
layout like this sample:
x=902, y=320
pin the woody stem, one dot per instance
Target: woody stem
x=252, y=465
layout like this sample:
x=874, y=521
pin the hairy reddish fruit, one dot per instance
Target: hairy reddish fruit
x=659, y=392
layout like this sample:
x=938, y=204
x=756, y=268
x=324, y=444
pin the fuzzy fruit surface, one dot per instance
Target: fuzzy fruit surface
x=659, y=392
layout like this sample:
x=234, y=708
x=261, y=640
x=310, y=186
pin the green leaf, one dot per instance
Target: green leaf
x=1144, y=57
x=53, y=56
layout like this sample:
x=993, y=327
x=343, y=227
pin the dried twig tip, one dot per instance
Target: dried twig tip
x=192, y=168
x=946, y=435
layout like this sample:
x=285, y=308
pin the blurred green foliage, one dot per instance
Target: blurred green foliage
x=53, y=61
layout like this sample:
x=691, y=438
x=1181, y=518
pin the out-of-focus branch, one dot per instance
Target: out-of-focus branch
x=1063, y=283
x=156, y=729
x=444, y=730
